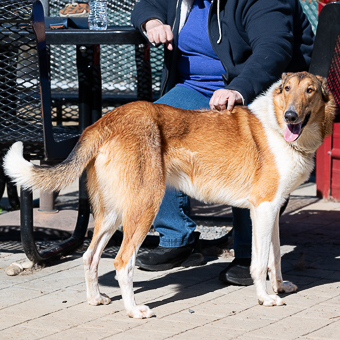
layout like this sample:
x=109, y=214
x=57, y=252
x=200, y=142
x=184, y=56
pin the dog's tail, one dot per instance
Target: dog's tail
x=52, y=178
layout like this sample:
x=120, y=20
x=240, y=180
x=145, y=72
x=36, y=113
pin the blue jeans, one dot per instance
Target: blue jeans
x=172, y=221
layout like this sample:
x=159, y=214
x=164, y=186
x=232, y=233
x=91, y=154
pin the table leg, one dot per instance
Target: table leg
x=62, y=248
x=96, y=86
x=144, y=75
x=85, y=80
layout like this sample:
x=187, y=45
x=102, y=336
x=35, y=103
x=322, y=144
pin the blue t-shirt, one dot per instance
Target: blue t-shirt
x=198, y=66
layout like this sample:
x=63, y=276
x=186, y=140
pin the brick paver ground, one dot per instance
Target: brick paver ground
x=189, y=303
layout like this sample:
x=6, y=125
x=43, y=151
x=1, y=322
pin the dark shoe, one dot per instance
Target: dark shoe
x=194, y=259
x=237, y=273
x=164, y=258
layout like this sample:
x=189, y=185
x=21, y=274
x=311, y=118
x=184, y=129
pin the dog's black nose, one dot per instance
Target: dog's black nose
x=291, y=116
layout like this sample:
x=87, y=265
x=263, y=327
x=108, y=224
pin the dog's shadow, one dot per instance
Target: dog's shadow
x=312, y=243
x=312, y=239
x=189, y=282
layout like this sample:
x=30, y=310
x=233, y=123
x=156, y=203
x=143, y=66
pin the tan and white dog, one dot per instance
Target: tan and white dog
x=252, y=157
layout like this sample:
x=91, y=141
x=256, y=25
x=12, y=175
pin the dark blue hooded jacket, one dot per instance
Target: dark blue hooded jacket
x=256, y=40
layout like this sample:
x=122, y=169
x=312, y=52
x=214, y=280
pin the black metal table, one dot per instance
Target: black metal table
x=88, y=43
x=113, y=35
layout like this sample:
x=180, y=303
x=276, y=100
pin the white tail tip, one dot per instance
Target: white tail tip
x=16, y=167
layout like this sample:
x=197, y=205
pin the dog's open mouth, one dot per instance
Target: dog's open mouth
x=293, y=131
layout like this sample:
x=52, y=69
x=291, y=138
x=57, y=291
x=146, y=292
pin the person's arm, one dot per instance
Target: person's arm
x=150, y=17
x=146, y=10
x=269, y=26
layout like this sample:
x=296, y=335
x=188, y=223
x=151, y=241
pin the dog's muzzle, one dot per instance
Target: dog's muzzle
x=293, y=129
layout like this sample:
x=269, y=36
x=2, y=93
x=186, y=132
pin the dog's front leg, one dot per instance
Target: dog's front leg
x=263, y=220
x=274, y=264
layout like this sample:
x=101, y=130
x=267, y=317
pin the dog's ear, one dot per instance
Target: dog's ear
x=329, y=115
x=324, y=88
x=278, y=90
x=285, y=75
x=327, y=127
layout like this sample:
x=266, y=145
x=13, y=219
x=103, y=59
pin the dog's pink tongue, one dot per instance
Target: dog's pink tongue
x=292, y=132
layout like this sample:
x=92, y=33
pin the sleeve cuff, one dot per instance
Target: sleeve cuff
x=143, y=24
x=243, y=101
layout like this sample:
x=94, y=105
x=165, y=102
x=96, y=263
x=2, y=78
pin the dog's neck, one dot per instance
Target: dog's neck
x=302, y=151
x=306, y=145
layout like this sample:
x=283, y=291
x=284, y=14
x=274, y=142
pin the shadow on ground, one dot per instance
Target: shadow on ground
x=310, y=240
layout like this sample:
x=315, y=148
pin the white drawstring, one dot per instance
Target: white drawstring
x=219, y=21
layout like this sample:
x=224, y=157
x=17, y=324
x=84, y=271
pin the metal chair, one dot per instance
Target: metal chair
x=25, y=113
x=326, y=62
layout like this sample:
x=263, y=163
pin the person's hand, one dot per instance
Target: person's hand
x=159, y=33
x=225, y=99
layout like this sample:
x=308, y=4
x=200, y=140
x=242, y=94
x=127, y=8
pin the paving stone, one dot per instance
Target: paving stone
x=9, y=321
x=321, y=311
x=170, y=308
x=63, y=320
x=140, y=334
x=218, y=309
x=238, y=322
x=115, y=322
x=80, y=333
x=290, y=328
x=21, y=332
x=15, y=295
x=333, y=301
x=329, y=332
x=165, y=325
x=98, y=311
x=254, y=337
x=302, y=300
x=269, y=313
x=302, y=282
x=208, y=332
x=192, y=318
x=323, y=288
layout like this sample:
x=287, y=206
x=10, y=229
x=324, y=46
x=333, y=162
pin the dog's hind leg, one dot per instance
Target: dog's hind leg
x=263, y=220
x=274, y=264
x=104, y=229
x=107, y=219
x=131, y=173
x=137, y=221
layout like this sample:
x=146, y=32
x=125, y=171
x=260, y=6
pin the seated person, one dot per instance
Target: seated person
x=217, y=55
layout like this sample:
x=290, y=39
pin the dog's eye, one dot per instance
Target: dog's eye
x=310, y=90
x=287, y=88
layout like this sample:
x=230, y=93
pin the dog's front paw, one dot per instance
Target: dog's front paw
x=287, y=287
x=140, y=312
x=102, y=299
x=271, y=300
